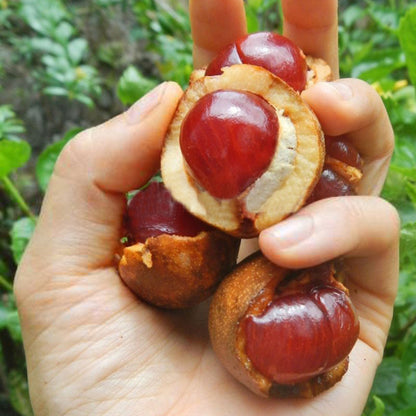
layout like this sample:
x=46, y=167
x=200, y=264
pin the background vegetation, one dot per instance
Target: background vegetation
x=68, y=65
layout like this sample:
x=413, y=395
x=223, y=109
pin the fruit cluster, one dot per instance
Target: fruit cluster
x=243, y=152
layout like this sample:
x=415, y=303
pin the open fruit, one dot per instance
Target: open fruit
x=274, y=175
x=227, y=167
x=274, y=52
x=172, y=259
x=283, y=333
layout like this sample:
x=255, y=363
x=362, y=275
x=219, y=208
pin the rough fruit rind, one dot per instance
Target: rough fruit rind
x=228, y=307
x=245, y=291
x=231, y=215
x=176, y=272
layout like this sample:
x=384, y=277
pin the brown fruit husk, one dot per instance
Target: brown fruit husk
x=352, y=174
x=282, y=189
x=256, y=278
x=176, y=272
x=318, y=70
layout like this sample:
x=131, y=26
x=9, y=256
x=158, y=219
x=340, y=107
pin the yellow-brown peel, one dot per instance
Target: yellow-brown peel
x=318, y=71
x=175, y=272
x=352, y=174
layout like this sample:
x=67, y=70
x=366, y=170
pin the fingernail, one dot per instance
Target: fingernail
x=143, y=107
x=343, y=90
x=290, y=232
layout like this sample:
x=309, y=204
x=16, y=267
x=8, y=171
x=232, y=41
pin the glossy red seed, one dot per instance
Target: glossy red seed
x=227, y=57
x=301, y=335
x=269, y=50
x=330, y=184
x=228, y=140
x=343, y=151
x=153, y=212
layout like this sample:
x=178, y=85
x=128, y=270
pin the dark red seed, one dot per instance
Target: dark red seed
x=301, y=335
x=153, y=212
x=228, y=140
x=274, y=52
x=330, y=184
x=343, y=151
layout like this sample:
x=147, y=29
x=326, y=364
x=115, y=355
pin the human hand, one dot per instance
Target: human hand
x=93, y=348
x=363, y=230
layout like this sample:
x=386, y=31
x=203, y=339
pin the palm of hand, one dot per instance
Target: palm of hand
x=117, y=355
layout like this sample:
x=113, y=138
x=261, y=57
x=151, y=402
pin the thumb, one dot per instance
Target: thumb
x=81, y=215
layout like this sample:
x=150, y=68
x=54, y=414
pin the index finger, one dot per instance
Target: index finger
x=214, y=25
x=313, y=26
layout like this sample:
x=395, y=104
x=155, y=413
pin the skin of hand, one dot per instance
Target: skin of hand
x=93, y=348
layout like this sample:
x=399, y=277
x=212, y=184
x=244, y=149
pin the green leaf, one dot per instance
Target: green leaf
x=409, y=354
x=379, y=407
x=46, y=45
x=4, y=269
x=407, y=37
x=47, y=159
x=411, y=191
x=251, y=16
x=386, y=17
x=408, y=243
x=9, y=319
x=13, y=155
x=55, y=91
x=133, y=85
x=84, y=99
x=19, y=392
x=20, y=234
x=9, y=124
x=409, y=173
x=411, y=411
x=350, y=15
x=76, y=50
x=388, y=377
x=378, y=65
x=63, y=32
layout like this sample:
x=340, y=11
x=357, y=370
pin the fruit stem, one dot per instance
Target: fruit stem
x=6, y=284
x=17, y=196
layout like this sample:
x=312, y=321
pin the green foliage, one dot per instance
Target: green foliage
x=13, y=154
x=407, y=36
x=10, y=126
x=54, y=41
x=378, y=407
x=168, y=33
x=46, y=160
x=9, y=320
x=19, y=392
x=394, y=389
x=133, y=85
x=20, y=234
x=374, y=53
x=5, y=14
x=263, y=15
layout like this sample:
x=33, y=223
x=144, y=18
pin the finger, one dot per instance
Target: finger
x=364, y=231
x=313, y=26
x=351, y=108
x=124, y=152
x=353, y=227
x=215, y=24
x=81, y=216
